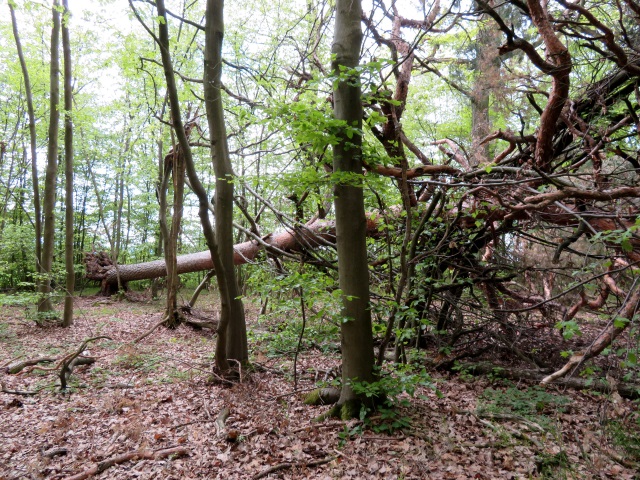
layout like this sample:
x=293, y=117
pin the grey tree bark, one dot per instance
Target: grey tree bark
x=487, y=80
x=44, y=301
x=32, y=138
x=232, y=332
x=70, y=284
x=351, y=223
x=174, y=166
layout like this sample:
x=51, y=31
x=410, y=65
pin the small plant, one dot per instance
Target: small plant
x=530, y=402
x=134, y=360
x=552, y=466
x=394, y=389
x=348, y=433
x=44, y=318
x=18, y=299
x=626, y=435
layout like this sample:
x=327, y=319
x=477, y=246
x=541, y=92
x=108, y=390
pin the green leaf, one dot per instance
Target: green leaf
x=620, y=322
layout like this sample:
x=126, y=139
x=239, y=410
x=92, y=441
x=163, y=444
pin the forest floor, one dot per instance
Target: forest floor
x=142, y=399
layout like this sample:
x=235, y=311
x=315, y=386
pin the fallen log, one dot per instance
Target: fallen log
x=18, y=366
x=310, y=236
x=626, y=390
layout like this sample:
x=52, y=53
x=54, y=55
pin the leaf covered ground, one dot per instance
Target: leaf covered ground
x=160, y=394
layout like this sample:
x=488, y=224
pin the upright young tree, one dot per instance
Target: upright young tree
x=174, y=166
x=37, y=214
x=232, y=334
x=67, y=319
x=44, y=302
x=351, y=223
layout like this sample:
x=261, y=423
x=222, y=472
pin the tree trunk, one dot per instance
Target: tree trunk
x=351, y=223
x=312, y=235
x=174, y=164
x=232, y=333
x=70, y=284
x=33, y=141
x=44, y=301
x=487, y=66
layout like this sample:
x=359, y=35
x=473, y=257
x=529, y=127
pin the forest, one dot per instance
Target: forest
x=319, y=239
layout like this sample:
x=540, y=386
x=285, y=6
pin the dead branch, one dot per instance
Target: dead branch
x=203, y=284
x=125, y=457
x=18, y=392
x=17, y=367
x=151, y=330
x=285, y=465
x=54, y=452
x=72, y=360
x=603, y=340
x=626, y=390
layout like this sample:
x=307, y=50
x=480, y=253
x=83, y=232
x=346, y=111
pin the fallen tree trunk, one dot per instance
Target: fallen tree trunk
x=307, y=237
x=313, y=235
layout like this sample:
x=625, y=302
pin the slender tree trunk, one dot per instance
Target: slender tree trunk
x=487, y=80
x=232, y=343
x=44, y=302
x=161, y=194
x=67, y=319
x=33, y=140
x=351, y=223
x=174, y=165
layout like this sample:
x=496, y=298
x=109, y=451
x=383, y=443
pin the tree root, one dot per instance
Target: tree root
x=282, y=466
x=322, y=396
x=125, y=457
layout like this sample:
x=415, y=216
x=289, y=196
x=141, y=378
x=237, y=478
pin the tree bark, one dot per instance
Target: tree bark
x=232, y=332
x=487, y=64
x=174, y=165
x=311, y=236
x=44, y=301
x=32, y=138
x=70, y=283
x=351, y=222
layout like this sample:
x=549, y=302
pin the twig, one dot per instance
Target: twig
x=54, y=452
x=297, y=352
x=151, y=330
x=193, y=422
x=18, y=392
x=337, y=423
x=282, y=466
